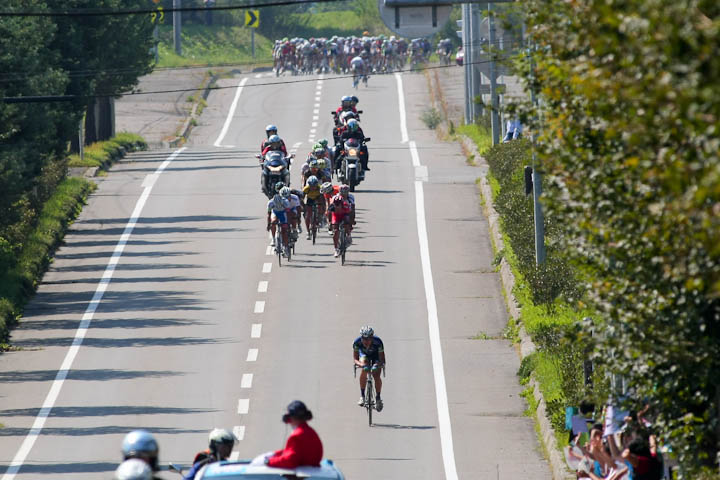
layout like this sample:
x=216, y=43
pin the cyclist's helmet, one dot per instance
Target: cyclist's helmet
x=319, y=151
x=271, y=130
x=133, y=469
x=323, y=142
x=326, y=187
x=279, y=186
x=141, y=444
x=353, y=125
x=344, y=189
x=312, y=180
x=285, y=192
x=321, y=164
x=314, y=163
x=367, y=331
x=221, y=436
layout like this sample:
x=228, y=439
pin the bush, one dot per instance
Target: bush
x=101, y=154
x=431, y=118
x=19, y=278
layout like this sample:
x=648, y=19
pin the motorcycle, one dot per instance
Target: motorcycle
x=275, y=168
x=350, y=170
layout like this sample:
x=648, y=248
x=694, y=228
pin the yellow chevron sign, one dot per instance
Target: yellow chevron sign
x=252, y=18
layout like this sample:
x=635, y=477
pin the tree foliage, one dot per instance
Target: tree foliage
x=630, y=140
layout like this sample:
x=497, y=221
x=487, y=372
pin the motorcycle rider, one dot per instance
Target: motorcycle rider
x=345, y=106
x=271, y=130
x=274, y=143
x=354, y=131
x=221, y=445
x=140, y=444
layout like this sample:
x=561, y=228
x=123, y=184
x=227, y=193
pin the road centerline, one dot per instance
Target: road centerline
x=231, y=112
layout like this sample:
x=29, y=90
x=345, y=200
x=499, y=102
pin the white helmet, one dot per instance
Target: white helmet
x=133, y=469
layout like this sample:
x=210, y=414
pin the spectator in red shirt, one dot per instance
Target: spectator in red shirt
x=303, y=446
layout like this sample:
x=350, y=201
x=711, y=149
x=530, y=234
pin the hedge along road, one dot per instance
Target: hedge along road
x=197, y=327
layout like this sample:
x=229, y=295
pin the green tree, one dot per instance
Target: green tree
x=630, y=140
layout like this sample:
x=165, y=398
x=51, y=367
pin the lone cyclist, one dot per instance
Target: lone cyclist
x=369, y=354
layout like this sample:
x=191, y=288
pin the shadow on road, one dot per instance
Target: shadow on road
x=87, y=375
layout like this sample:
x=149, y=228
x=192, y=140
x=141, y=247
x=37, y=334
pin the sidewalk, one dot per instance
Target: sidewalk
x=158, y=117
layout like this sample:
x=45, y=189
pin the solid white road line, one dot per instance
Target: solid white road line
x=446, y=440
x=401, y=106
x=252, y=355
x=239, y=432
x=84, y=326
x=246, y=381
x=231, y=113
x=267, y=267
x=262, y=286
x=259, y=306
x=256, y=330
x=243, y=406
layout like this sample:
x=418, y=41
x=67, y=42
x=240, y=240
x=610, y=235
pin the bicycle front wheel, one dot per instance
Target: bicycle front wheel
x=369, y=400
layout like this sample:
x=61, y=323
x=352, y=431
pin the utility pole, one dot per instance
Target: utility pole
x=495, y=101
x=177, y=26
x=536, y=181
x=467, y=61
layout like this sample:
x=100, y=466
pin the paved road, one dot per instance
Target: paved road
x=197, y=327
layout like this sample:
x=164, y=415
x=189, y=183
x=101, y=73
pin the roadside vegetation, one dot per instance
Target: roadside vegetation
x=626, y=308
x=102, y=154
x=22, y=264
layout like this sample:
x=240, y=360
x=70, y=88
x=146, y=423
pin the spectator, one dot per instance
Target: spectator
x=513, y=130
x=303, y=446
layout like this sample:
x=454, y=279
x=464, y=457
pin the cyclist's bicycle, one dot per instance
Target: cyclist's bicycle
x=279, y=244
x=342, y=240
x=369, y=401
x=314, y=225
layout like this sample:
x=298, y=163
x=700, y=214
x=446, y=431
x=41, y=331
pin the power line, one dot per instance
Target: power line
x=69, y=98
x=89, y=12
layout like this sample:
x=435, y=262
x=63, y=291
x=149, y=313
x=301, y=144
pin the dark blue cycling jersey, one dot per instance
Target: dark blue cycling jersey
x=373, y=351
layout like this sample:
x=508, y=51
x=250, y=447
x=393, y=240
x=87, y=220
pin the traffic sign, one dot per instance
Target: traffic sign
x=414, y=21
x=252, y=18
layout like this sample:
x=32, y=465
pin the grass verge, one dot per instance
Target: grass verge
x=101, y=154
x=213, y=45
x=18, y=283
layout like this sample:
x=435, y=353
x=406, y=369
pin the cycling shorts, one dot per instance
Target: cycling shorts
x=279, y=216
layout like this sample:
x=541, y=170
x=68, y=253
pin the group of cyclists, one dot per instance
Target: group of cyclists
x=365, y=54
x=333, y=204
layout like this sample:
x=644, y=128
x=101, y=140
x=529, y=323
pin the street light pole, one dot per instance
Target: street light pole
x=494, y=99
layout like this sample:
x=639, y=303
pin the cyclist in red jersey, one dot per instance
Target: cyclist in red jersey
x=341, y=215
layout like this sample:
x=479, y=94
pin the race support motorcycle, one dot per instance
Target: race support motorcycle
x=275, y=168
x=349, y=165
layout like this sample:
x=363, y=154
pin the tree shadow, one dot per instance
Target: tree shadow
x=103, y=411
x=103, y=374
x=395, y=426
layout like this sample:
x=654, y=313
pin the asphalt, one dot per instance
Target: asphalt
x=172, y=343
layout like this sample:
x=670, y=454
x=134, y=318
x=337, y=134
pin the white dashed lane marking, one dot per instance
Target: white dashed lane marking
x=252, y=355
x=262, y=286
x=267, y=267
x=239, y=432
x=259, y=306
x=246, y=381
x=268, y=251
x=256, y=330
x=243, y=406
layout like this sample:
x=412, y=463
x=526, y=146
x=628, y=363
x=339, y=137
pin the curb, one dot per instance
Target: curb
x=187, y=124
x=547, y=433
